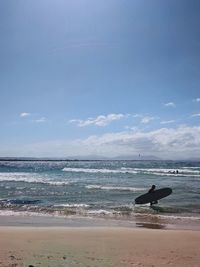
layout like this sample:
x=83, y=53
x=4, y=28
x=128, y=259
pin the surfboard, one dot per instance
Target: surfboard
x=156, y=195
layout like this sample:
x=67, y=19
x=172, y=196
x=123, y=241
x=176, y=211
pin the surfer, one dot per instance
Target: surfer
x=151, y=190
x=152, y=196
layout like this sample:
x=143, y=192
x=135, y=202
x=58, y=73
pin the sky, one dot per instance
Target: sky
x=109, y=78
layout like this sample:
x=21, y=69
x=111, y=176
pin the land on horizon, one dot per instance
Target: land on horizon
x=94, y=158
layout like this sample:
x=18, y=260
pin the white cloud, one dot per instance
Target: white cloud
x=25, y=114
x=132, y=128
x=100, y=120
x=170, y=104
x=40, y=120
x=167, y=122
x=137, y=115
x=196, y=115
x=147, y=119
x=171, y=143
x=196, y=100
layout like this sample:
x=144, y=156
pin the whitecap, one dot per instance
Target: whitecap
x=86, y=170
x=80, y=205
x=29, y=178
x=117, y=188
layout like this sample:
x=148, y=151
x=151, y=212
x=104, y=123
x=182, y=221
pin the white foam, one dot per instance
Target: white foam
x=191, y=167
x=81, y=205
x=117, y=188
x=57, y=182
x=22, y=213
x=169, y=172
x=86, y=170
x=29, y=178
x=155, y=171
x=99, y=212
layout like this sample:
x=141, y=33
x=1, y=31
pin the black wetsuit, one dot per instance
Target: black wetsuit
x=151, y=191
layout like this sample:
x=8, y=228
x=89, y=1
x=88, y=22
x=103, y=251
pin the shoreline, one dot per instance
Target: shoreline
x=17, y=219
x=98, y=246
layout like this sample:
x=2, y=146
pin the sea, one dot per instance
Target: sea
x=103, y=189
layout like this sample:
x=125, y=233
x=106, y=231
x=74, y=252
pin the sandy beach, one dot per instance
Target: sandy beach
x=98, y=246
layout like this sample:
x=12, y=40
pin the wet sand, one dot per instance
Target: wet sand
x=98, y=246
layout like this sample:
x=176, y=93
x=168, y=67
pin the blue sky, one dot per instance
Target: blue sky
x=107, y=78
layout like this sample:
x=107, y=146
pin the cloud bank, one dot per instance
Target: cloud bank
x=165, y=143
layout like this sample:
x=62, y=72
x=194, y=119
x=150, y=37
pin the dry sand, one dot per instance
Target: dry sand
x=98, y=246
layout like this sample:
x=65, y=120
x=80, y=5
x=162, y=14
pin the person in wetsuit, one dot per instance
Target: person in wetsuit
x=151, y=190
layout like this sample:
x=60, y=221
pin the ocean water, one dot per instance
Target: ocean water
x=105, y=189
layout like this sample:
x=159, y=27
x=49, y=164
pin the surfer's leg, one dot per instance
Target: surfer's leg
x=153, y=202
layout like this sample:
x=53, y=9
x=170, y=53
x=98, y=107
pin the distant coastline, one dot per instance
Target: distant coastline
x=95, y=159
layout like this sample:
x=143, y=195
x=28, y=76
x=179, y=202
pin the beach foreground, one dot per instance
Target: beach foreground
x=98, y=246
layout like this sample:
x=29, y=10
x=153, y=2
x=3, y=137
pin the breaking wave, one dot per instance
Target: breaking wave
x=29, y=178
x=186, y=172
x=99, y=170
x=116, y=188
